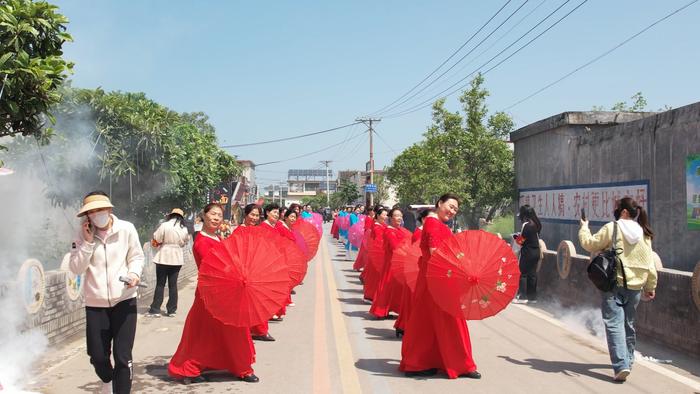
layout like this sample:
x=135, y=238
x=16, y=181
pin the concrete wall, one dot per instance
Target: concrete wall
x=576, y=148
x=672, y=319
x=60, y=317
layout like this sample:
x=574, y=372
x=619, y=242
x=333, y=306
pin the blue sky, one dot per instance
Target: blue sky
x=265, y=70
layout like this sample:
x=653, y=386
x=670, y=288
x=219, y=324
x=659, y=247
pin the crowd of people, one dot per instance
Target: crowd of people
x=110, y=255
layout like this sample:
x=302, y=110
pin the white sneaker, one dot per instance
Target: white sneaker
x=106, y=388
x=622, y=375
x=291, y=304
x=519, y=301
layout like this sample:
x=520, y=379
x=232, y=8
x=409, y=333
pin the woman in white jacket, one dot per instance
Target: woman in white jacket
x=106, y=250
x=171, y=236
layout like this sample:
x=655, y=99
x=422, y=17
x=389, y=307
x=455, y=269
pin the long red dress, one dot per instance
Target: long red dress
x=407, y=294
x=372, y=272
x=286, y=232
x=263, y=329
x=361, y=259
x=206, y=342
x=433, y=338
x=389, y=291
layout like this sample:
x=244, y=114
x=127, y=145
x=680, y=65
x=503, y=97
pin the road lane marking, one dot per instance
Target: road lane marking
x=321, y=381
x=654, y=367
x=350, y=381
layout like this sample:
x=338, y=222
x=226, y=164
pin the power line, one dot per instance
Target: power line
x=493, y=44
x=290, y=138
x=422, y=104
x=446, y=60
x=458, y=61
x=609, y=51
x=306, y=154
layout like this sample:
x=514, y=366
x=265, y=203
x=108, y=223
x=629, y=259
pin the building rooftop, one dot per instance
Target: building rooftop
x=599, y=118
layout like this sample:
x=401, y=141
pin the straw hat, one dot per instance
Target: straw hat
x=96, y=201
x=178, y=211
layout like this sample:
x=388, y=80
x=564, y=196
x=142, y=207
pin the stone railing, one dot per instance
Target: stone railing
x=672, y=319
x=54, y=299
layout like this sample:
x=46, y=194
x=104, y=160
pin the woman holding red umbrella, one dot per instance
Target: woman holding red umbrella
x=261, y=332
x=389, y=291
x=284, y=228
x=361, y=258
x=223, y=347
x=407, y=293
x=434, y=340
x=372, y=273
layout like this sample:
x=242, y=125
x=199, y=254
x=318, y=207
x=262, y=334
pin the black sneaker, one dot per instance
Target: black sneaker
x=195, y=379
x=250, y=378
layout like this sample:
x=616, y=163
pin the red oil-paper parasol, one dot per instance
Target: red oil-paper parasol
x=404, y=263
x=244, y=280
x=311, y=238
x=473, y=275
x=295, y=259
x=344, y=222
x=356, y=233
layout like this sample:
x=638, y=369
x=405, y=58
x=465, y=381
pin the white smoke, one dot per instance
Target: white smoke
x=33, y=226
x=580, y=319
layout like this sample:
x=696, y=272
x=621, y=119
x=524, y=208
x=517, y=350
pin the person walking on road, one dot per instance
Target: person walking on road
x=207, y=343
x=529, y=241
x=109, y=253
x=171, y=236
x=636, y=276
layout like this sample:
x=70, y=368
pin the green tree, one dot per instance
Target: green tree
x=464, y=154
x=146, y=156
x=32, y=68
x=347, y=193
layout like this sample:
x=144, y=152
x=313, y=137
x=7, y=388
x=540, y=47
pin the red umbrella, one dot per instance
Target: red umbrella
x=356, y=233
x=473, y=275
x=244, y=280
x=295, y=259
x=404, y=263
x=309, y=235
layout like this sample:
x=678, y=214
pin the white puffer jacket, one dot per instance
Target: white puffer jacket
x=105, y=260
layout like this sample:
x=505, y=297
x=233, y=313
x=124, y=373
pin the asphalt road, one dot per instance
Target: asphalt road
x=329, y=344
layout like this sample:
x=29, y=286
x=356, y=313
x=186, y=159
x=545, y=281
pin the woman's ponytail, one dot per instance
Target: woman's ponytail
x=643, y=220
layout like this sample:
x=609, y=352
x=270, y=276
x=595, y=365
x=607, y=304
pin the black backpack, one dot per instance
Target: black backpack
x=602, y=270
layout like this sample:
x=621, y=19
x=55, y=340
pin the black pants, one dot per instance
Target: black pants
x=107, y=329
x=165, y=273
x=528, y=273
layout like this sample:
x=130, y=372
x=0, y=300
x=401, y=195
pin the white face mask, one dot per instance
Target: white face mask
x=99, y=219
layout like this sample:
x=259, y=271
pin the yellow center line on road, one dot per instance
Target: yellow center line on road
x=350, y=381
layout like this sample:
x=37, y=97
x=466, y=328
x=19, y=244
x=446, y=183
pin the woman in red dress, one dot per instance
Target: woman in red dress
x=361, y=258
x=389, y=291
x=284, y=228
x=261, y=332
x=206, y=342
x=435, y=340
x=407, y=294
x=371, y=274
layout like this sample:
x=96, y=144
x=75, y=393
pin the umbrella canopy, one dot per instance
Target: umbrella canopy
x=356, y=233
x=295, y=259
x=244, y=280
x=404, y=263
x=311, y=238
x=344, y=222
x=473, y=275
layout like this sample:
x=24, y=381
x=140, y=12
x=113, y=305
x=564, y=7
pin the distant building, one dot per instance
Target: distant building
x=308, y=183
x=361, y=178
x=245, y=191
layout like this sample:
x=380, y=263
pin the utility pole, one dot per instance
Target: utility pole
x=328, y=187
x=368, y=121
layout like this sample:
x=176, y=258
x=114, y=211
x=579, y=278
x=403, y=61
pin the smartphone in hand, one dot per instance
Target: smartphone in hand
x=583, y=214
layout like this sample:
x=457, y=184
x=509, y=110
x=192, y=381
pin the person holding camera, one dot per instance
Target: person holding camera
x=109, y=253
x=635, y=274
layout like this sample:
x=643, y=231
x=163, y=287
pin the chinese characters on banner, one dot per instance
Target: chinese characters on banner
x=222, y=196
x=565, y=203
